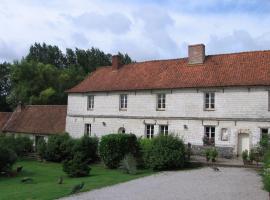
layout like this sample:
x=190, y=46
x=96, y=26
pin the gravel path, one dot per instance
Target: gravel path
x=199, y=184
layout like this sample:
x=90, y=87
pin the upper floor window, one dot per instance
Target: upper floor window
x=90, y=102
x=123, y=102
x=163, y=129
x=209, y=101
x=209, y=135
x=149, y=131
x=161, y=101
x=87, y=129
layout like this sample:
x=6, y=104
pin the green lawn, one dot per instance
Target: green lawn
x=45, y=176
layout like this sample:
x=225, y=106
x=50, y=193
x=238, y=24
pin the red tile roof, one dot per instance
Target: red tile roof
x=4, y=116
x=236, y=69
x=38, y=119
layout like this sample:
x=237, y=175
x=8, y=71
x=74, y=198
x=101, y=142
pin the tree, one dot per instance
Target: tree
x=4, y=85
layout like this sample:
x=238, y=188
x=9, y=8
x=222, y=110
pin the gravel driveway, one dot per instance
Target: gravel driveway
x=197, y=184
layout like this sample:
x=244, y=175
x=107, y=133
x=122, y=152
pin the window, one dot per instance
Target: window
x=209, y=101
x=264, y=133
x=209, y=135
x=163, y=129
x=87, y=129
x=149, y=131
x=90, y=104
x=161, y=101
x=121, y=130
x=224, y=136
x=123, y=102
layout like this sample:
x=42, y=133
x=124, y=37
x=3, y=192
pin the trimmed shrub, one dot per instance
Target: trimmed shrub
x=7, y=159
x=76, y=167
x=87, y=147
x=266, y=172
x=114, y=147
x=166, y=152
x=20, y=145
x=59, y=148
x=145, y=152
x=129, y=164
x=42, y=148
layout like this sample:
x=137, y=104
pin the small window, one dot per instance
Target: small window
x=209, y=135
x=161, y=101
x=121, y=130
x=149, y=131
x=224, y=136
x=163, y=129
x=87, y=129
x=123, y=102
x=209, y=101
x=264, y=132
x=90, y=104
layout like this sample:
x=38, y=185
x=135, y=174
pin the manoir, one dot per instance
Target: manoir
x=217, y=100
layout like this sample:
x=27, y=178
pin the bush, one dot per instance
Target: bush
x=165, y=152
x=145, y=152
x=207, y=153
x=88, y=148
x=7, y=159
x=114, y=147
x=76, y=167
x=245, y=155
x=20, y=145
x=213, y=154
x=59, y=148
x=266, y=172
x=42, y=148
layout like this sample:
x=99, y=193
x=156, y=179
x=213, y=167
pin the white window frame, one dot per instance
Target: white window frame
x=149, y=131
x=223, y=136
x=163, y=129
x=87, y=129
x=209, y=101
x=123, y=101
x=161, y=101
x=90, y=102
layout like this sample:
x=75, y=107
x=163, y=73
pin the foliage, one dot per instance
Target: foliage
x=7, y=159
x=145, y=151
x=20, y=145
x=42, y=148
x=245, y=155
x=264, y=144
x=129, y=164
x=213, y=154
x=87, y=147
x=77, y=166
x=166, y=152
x=59, y=148
x=207, y=153
x=114, y=147
x=266, y=172
x=4, y=86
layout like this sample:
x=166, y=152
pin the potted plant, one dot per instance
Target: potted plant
x=207, y=153
x=213, y=154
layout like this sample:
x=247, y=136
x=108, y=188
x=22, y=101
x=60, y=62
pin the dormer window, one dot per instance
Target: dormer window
x=123, y=102
x=161, y=101
x=90, y=102
x=209, y=101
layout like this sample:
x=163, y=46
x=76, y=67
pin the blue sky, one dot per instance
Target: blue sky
x=145, y=29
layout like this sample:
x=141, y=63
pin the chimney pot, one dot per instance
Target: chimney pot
x=116, y=62
x=196, y=54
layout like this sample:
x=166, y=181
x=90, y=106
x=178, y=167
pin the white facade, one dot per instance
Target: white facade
x=237, y=111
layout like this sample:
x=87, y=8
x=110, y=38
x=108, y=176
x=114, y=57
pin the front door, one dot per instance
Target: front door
x=243, y=143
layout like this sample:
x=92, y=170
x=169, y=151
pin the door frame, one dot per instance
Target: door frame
x=243, y=131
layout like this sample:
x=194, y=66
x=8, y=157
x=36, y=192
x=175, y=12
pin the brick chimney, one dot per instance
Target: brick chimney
x=116, y=62
x=196, y=54
x=20, y=107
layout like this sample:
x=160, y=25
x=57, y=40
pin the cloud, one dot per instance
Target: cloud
x=7, y=52
x=116, y=23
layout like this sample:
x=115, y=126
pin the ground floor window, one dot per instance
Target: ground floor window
x=224, y=134
x=209, y=135
x=87, y=129
x=264, y=133
x=121, y=130
x=163, y=129
x=149, y=131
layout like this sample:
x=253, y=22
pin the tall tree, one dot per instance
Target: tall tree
x=4, y=86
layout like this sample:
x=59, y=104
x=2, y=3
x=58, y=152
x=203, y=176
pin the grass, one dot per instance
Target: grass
x=45, y=181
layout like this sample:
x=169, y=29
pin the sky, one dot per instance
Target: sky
x=145, y=29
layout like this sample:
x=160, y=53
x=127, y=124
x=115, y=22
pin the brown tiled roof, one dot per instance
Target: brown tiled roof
x=36, y=119
x=237, y=69
x=4, y=116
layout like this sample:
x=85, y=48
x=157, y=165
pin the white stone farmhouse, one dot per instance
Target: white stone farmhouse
x=220, y=100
